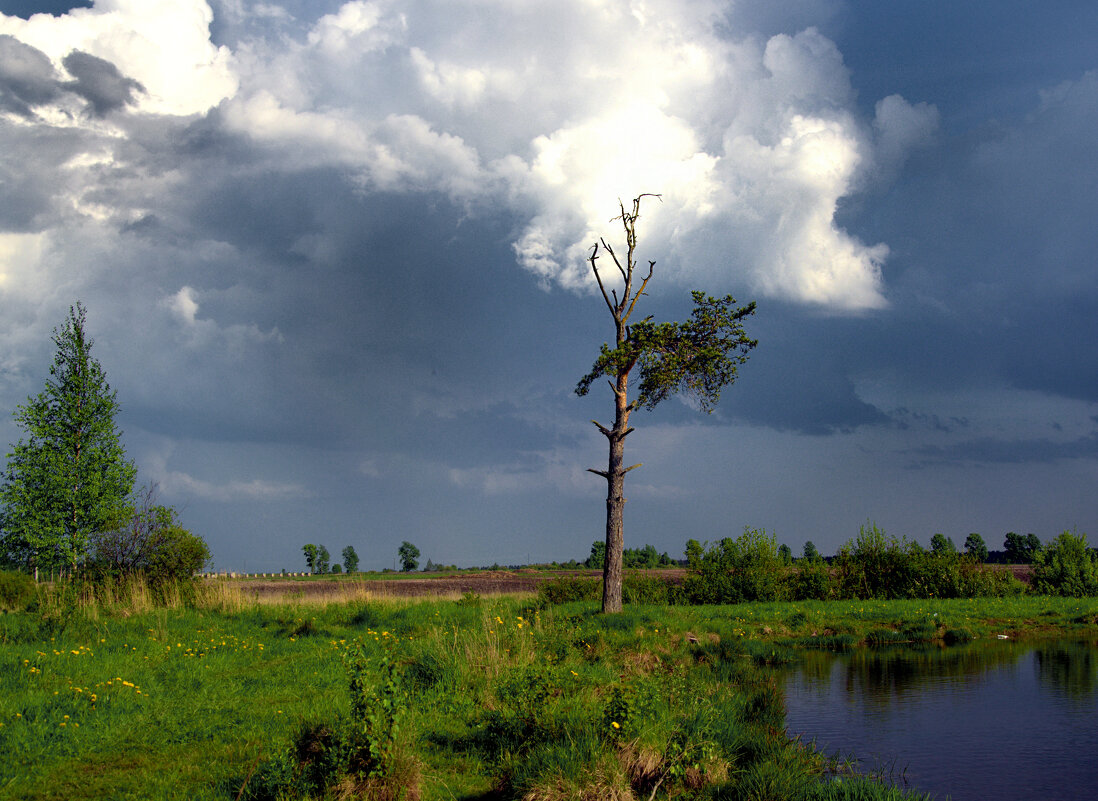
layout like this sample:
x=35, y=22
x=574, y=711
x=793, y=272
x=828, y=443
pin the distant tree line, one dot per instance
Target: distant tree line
x=318, y=560
x=874, y=565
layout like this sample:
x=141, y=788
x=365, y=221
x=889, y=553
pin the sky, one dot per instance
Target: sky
x=333, y=257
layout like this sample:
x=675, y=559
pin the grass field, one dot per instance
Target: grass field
x=479, y=698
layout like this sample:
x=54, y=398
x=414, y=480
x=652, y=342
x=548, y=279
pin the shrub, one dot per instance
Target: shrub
x=748, y=568
x=363, y=755
x=636, y=589
x=876, y=566
x=811, y=581
x=149, y=542
x=641, y=589
x=17, y=590
x=1066, y=567
x=569, y=588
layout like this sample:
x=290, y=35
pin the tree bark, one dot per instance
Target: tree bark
x=615, y=501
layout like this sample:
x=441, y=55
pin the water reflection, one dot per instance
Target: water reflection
x=992, y=719
x=1070, y=668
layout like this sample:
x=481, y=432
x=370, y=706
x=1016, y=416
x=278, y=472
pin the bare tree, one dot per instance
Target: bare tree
x=698, y=357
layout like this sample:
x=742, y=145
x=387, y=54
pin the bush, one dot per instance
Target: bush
x=748, y=568
x=17, y=590
x=149, y=542
x=636, y=589
x=811, y=581
x=876, y=566
x=1066, y=567
x=569, y=588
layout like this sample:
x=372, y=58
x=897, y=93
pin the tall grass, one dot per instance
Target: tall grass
x=124, y=694
x=225, y=697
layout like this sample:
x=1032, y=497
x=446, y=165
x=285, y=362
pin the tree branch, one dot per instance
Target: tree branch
x=634, y=467
x=606, y=431
x=644, y=283
x=602, y=473
x=592, y=258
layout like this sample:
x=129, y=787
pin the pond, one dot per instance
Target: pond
x=989, y=720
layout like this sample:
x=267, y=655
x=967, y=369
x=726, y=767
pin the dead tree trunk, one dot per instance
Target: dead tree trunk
x=621, y=310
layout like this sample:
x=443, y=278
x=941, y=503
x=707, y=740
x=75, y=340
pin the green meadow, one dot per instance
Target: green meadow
x=467, y=698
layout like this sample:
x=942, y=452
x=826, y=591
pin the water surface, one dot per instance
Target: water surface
x=993, y=720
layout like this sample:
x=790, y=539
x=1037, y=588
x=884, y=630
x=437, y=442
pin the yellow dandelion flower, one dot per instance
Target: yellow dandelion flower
x=614, y=723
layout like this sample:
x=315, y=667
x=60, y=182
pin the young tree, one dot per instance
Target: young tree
x=694, y=552
x=699, y=357
x=350, y=560
x=310, y=556
x=596, y=560
x=785, y=553
x=941, y=545
x=322, y=559
x=409, y=556
x=70, y=478
x=810, y=553
x=976, y=547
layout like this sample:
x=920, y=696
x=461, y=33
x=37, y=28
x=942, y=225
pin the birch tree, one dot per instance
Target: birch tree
x=70, y=478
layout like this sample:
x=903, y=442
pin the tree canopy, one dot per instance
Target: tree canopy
x=409, y=556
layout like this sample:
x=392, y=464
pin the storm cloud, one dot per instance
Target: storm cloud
x=334, y=257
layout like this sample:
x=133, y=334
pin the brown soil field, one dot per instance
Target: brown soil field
x=489, y=582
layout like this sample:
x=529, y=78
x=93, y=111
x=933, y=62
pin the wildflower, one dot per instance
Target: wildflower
x=614, y=723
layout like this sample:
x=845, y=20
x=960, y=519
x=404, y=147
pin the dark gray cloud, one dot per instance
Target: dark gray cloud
x=27, y=77
x=309, y=299
x=990, y=451
x=99, y=82
x=28, y=8
x=28, y=80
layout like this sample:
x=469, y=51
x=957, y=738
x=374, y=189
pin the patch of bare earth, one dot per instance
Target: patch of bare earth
x=488, y=582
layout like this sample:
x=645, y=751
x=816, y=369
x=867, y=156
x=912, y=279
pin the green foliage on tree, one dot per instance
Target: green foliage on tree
x=1021, y=550
x=785, y=553
x=323, y=558
x=698, y=357
x=941, y=545
x=693, y=552
x=810, y=554
x=337, y=568
x=149, y=541
x=597, y=559
x=976, y=547
x=1067, y=567
x=69, y=478
x=310, y=556
x=409, y=556
x=350, y=560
